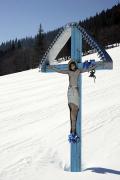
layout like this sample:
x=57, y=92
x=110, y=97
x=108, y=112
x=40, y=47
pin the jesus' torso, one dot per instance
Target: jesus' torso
x=73, y=78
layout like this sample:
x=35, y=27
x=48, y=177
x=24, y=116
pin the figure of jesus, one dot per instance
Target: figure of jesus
x=73, y=92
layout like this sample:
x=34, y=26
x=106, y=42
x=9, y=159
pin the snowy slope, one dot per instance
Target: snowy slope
x=34, y=125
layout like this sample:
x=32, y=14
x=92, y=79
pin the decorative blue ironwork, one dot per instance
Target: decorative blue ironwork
x=102, y=54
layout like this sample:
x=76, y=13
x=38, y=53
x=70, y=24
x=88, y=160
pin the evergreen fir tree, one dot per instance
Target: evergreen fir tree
x=40, y=45
x=19, y=44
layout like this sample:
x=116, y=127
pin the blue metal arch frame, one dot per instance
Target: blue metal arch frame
x=104, y=56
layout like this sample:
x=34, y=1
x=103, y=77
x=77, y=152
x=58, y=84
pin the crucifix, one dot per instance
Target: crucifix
x=74, y=69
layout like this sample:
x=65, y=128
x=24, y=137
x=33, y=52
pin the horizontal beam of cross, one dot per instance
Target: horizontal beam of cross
x=98, y=65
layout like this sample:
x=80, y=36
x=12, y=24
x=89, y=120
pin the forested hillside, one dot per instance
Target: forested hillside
x=23, y=54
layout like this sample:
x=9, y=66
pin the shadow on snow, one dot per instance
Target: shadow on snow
x=102, y=170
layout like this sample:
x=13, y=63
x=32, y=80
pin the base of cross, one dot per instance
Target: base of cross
x=73, y=138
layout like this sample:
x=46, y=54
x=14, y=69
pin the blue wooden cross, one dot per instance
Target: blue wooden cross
x=76, y=55
x=76, y=51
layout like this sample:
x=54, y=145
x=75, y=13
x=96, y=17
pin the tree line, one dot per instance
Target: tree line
x=104, y=27
x=23, y=54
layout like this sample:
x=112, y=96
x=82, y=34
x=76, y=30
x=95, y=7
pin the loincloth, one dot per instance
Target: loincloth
x=73, y=95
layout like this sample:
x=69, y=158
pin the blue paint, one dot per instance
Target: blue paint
x=76, y=44
x=76, y=51
x=87, y=64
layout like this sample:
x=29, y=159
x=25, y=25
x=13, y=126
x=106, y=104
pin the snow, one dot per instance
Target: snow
x=34, y=125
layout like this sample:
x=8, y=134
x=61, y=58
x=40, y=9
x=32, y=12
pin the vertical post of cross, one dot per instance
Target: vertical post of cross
x=76, y=51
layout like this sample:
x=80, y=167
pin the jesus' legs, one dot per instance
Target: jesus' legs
x=73, y=116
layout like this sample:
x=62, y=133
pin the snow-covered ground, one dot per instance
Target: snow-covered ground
x=34, y=125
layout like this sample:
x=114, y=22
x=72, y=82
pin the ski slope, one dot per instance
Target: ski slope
x=34, y=125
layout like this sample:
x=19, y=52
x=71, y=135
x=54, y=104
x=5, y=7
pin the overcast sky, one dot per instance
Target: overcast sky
x=21, y=18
